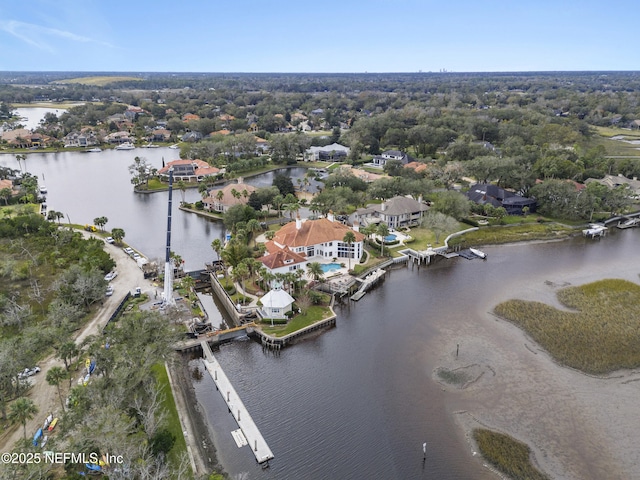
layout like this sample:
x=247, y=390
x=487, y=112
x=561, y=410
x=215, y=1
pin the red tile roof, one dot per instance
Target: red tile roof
x=313, y=232
x=280, y=258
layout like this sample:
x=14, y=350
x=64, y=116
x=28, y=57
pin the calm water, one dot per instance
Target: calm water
x=358, y=401
x=84, y=186
x=33, y=115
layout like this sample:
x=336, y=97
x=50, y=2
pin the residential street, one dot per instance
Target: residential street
x=44, y=395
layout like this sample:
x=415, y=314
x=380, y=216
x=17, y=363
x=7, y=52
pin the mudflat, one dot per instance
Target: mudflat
x=578, y=426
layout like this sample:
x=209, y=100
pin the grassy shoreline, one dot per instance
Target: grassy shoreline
x=598, y=335
x=508, y=455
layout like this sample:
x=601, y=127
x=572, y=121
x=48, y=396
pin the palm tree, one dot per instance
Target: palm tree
x=278, y=200
x=270, y=234
x=292, y=208
x=182, y=187
x=349, y=238
x=117, y=234
x=217, y=247
x=315, y=270
x=239, y=274
x=21, y=158
x=6, y=194
x=203, y=190
x=54, y=377
x=67, y=352
x=22, y=410
x=253, y=227
x=219, y=197
x=383, y=231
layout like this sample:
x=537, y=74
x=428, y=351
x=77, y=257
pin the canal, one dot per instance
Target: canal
x=359, y=400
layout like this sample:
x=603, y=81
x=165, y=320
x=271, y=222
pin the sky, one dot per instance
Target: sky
x=351, y=36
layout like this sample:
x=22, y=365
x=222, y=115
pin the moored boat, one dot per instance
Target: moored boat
x=126, y=146
x=478, y=253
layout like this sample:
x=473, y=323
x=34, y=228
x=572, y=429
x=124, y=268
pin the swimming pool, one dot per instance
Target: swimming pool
x=330, y=267
x=390, y=238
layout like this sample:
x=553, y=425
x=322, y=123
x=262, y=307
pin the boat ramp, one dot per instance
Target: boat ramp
x=248, y=433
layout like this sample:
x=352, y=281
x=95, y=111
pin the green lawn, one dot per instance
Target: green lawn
x=599, y=335
x=314, y=314
x=173, y=420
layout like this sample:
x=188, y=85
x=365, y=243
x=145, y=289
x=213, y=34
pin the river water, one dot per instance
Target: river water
x=358, y=401
x=85, y=185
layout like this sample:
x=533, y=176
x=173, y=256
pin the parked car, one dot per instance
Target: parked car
x=110, y=240
x=28, y=372
x=109, y=291
x=128, y=250
x=136, y=256
x=110, y=276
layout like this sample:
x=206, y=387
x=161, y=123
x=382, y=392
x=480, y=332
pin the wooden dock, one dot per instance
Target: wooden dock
x=368, y=282
x=248, y=434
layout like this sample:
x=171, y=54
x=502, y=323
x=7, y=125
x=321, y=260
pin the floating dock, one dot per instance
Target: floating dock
x=248, y=434
x=632, y=222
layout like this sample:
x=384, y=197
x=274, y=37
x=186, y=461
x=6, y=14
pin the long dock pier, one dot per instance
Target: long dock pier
x=248, y=434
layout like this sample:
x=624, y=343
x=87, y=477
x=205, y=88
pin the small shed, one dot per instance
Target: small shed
x=276, y=303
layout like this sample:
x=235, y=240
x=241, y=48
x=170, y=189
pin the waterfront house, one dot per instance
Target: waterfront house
x=220, y=200
x=282, y=260
x=333, y=152
x=188, y=170
x=321, y=238
x=381, y=160
x=160, y=135
x=614, y=181
x=483, y=193
x=276, y=303
x=119, y=137
x=395, y=213
x=23, y=138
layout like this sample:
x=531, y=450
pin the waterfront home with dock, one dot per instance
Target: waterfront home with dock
x=188, y=170
x=319, y=238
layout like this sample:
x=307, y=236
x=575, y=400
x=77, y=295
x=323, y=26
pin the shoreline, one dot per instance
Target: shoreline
x=578, y=426
x=198, y=428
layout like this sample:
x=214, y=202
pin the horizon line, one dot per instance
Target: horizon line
x=366, y=72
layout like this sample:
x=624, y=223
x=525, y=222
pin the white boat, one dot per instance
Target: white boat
x=150, y=145
x=594, y=230
x=478, y=253
x=91, y=150
x=126, y=146
x=43, y=189
x=175, y=146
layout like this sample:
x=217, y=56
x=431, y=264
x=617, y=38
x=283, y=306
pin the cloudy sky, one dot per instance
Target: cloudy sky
x=318, y=36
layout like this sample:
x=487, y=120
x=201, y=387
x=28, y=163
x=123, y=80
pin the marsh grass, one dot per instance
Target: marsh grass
x=511, y=457
x=600, y=335
x=454, y=377
x=512, y=233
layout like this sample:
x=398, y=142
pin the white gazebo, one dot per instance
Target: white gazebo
x=276, y=303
